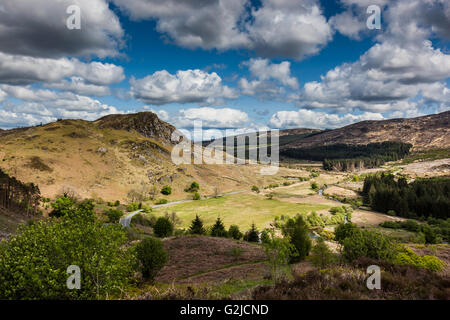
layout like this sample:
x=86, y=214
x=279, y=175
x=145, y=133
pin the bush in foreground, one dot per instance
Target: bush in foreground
x=152, y=257
x=30, y=271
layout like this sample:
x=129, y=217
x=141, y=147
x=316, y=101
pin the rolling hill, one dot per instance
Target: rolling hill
x=112, y=156
x=427, y=132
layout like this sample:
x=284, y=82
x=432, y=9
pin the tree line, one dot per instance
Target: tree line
x=18, y=196
x=424, y=197
x=344, y=157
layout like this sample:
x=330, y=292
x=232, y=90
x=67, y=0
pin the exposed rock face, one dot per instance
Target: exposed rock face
x=428, y=132
x=146, y=123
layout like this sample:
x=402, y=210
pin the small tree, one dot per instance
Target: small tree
x=166, y=190
x=218, y=229
x=255, y=189
x=196, y=196
x=279, y=252
x=152, y=257
x=343, y=231
x=234, y=232
x=314, y=186
x=63, y=206
x=252, y=235
x=297, y=231
x=114, y=215
x=163, y=227
x=194, y=187
x=197, y=226
x=321, y=254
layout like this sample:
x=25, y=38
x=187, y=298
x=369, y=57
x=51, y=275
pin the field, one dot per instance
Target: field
x=240, y=209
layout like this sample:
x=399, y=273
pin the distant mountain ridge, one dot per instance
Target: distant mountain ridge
x=426, y=132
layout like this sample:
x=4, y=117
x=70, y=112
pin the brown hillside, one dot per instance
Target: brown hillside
x=427, y=132
x=112, y=156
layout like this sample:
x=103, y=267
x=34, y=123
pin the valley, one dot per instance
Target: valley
x=204, y=216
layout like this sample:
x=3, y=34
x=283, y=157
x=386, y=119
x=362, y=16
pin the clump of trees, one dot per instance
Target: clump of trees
x=345, y=157
x=425, y=197
x=19, y=196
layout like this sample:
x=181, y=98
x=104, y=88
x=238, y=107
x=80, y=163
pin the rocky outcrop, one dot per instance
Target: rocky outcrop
x=146, y=123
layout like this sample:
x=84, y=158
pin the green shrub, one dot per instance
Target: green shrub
x=144, y=220
x=279, y=252
x=336, y=210
x=252, y=235
x=344, y=231
x=33, y=264
x=255, y=189
x=161, y=201
x=196, y=196
x=166, y=190
x=321, y=255
x=234, y=232
x=197, y=226
x=163, y=227
x=265, y=236
x=114, y=215
x=218, y=229
x=117, y=203
x=297, y=231
x=194, y=187
x=314, y=186
x=152, y=257
x=133, y=206
x=63, y=206
x=406, y=256
x=370, y=244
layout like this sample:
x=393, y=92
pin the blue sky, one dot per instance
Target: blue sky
x=231, y=64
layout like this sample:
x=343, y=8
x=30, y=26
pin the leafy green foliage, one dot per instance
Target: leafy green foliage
x=279, y=252
x=370, y=244
x=314, y=186
x=152, y=257
x=197, y=226
x=405, y=256
x=30, y=271
x=194, y=187
x=162, y=201
x=114, y=215
x=166, y=190
x=297, y=231
x=63, y=206
x=163, y=227
x=255, y=189
x=196, y=196
x=321, y=255
x=344, y=231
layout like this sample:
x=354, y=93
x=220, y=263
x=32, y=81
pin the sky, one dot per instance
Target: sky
x=231, y=64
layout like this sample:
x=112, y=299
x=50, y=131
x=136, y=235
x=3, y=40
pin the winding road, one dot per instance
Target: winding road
x=126, y=221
